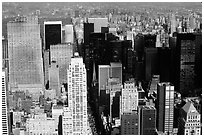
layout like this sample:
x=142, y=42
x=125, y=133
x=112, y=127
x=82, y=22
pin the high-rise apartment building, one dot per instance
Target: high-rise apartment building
x=129, y=97
x=62, y=53
x=189, y=122
x=4, y=105
x=25, y=52
x=77, y=95
x=165, y=110
x=147, y=120
x=52, y=33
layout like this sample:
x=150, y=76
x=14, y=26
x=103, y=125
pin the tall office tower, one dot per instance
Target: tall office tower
x=189, y=121
x=54, y=82
x=185, y=63
x=5, y=60
x=77, y=94
x=98, y=23
x=4, y=105
x=153, y=86
x=103, y=75
x=129, y=124
x=165, y=63
x=116, y=70
x=151, y=62
x=52, y=33
x=40, y=125
x=165, y=107
x=113, y=89
x=173, y=24
x=129, y=97
x=62, y=53
x=25, y=53
x=88, y=29
x=147, y=120
x=69, y=33
x=198, y=60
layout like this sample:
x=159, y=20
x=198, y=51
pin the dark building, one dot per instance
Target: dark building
x=104, y=29
x=129, y=124
x=198, y=60
x=139, y=46
x=53, y=33
x=150, y=41
x=88, y=29
x=185, y=63
x=151, y=62
x=147, y=120
x=164, y=62
x=116, y=105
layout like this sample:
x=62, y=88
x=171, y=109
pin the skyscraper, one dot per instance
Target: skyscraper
x=151, y=62
x=185, y=67
x=165, y=107
x=54, y=78
x=77, y=95
x=129, y=97
x=62, y=53
x=147, y=120
x=116, y=70
x=25, y=52
x=189, y=121
x=4, y=105
x=88, y=29
x=52, y=33
x=69, y=33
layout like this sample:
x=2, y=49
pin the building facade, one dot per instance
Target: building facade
x=4, y=105
x=25, y=52
x=41, y=125
x=54, y=82
x=129, y=97
x=165, y=110
x=62, y=53
x=129, y=124
x=189, y=121
x=77, y=95
x=147, y=120
x=52, y=33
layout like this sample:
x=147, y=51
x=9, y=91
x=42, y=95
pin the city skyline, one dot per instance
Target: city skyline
x=101, y=68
